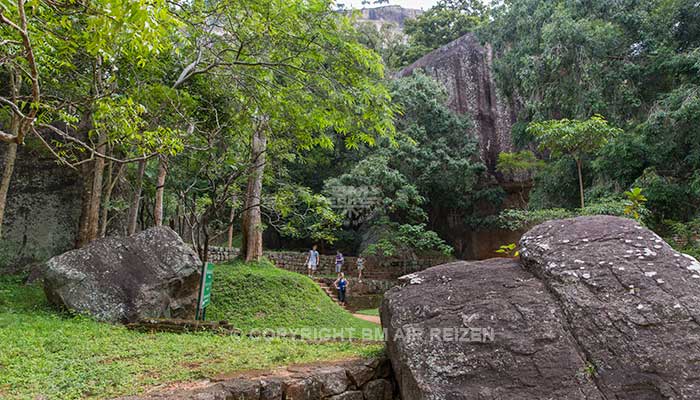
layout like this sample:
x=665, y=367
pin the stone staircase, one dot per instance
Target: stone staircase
x=330, y=291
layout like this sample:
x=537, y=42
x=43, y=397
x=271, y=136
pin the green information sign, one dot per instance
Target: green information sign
x=205, y=291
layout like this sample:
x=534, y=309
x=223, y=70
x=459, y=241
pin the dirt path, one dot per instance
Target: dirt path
x=370, y=318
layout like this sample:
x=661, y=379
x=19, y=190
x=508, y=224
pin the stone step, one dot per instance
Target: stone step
x=330, y=292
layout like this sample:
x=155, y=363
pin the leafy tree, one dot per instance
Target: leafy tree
x=521, y=162
x=430, y=174
x=303, y=78
x=387, y=40
x=636, y=63
x=442, y=157
x=74, y=51
x=374, y=189
x=443, y=23
x=401, y=240
x=577, y=138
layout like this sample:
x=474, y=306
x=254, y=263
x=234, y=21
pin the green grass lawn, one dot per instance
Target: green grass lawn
x=371, y=311
x=260, y=296
x=44, y=354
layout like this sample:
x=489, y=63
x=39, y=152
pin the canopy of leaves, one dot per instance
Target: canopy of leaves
x=441, y=24
x=573, y=137
x=638, y=63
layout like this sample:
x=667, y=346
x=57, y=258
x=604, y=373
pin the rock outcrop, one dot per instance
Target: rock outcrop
x=392, y=14
x=481, y=330
x=631, y=301
x=152, y=274
x=43, y=207
x=465, y=67
x=597, y=308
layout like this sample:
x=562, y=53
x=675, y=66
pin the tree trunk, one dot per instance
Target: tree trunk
x=86, y=171
x=96, y=195
x=231, y=217
x=580, y=180
x=9, y=167
x=112, y=180
x=160, y=188
x=93, y=172
x=11, y=154
x=136, y=200
x=204, y=257
x=105, y=200
x=251, y=246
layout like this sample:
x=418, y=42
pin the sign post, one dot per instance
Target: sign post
x=205, y=290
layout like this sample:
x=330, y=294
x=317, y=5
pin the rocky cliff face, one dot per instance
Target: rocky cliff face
x=43, y=207
x=465, y=67
x=388, y=14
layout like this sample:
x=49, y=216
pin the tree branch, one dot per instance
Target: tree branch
x=27, y=120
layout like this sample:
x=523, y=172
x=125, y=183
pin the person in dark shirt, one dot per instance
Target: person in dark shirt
x=342, y=285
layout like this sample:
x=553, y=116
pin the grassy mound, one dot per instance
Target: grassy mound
x=54, y=356
x=259, y=296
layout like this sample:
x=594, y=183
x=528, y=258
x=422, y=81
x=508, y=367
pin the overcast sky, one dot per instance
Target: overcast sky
x=424, y=4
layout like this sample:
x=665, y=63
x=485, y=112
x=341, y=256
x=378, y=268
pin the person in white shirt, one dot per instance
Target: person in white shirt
x=360, y=267
x=312, y=261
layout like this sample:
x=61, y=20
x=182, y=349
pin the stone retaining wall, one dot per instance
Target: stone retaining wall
x=350, y=380
x=222, y=254
x=376, y=268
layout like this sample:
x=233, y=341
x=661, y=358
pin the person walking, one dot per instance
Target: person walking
x=312, y=260
x=339, y=261
x=342, y=285
x=360, y=268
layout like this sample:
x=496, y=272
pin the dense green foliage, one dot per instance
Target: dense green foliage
x=518, y=219
x=58, y=357
x=261, y=297
x=521, y=162
x=186, y=85
x=637, y=63
x=575, y=138
x=563, y=64
x=167, y=81
x=407, y=188
x=441, y=24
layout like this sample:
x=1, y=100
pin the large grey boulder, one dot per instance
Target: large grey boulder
x=630, y=300
x=481, y=330
x=148, y=275
x=597, y=308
